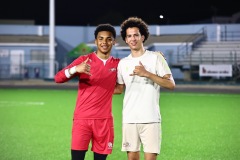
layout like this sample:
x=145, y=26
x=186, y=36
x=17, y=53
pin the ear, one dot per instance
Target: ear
x=95, y=41
x=143, y=37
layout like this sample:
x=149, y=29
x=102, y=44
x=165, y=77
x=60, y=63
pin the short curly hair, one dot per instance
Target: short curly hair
x=134, y=22
x=105, y=27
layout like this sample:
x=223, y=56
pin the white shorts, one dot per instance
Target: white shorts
x=147, y=134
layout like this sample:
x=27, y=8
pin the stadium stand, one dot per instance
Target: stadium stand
x=24, y=50
x=224, y=52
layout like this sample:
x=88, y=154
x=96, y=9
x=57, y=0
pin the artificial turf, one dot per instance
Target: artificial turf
x=35, y=124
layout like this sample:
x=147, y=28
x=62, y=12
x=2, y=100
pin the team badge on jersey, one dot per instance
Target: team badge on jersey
x=110, y=145
x=112, y=69
x=126, y=144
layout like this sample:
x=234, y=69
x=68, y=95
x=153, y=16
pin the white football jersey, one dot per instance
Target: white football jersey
x=141, y=99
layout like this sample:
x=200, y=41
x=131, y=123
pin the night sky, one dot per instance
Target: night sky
x=93, y=12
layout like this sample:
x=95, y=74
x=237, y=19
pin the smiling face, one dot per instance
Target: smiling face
x=104, y=42
x=134, y=38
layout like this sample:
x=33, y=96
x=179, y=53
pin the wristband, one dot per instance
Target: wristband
x=72, y=70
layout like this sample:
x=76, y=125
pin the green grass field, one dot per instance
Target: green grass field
x=35, y=124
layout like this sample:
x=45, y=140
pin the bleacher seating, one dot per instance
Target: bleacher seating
x=223, y=52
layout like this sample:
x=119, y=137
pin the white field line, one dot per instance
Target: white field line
x=16, y=103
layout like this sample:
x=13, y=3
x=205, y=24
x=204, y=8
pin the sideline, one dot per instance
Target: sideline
x=193, y=88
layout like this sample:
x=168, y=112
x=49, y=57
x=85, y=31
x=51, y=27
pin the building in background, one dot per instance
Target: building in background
x=24, y=49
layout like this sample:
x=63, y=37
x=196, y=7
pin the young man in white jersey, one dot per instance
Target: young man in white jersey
x=141, y=74
x=97, y=74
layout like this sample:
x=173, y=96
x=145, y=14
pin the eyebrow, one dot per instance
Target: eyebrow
x=105, y=36
x=133, y=34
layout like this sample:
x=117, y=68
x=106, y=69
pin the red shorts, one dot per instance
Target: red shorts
x=99, y=131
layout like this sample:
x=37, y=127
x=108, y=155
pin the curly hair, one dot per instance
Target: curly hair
x=134, y=22
x=105, y=27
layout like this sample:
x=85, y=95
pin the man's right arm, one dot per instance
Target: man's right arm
x=119, y=88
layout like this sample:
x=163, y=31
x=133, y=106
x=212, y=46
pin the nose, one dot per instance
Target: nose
x=104, y=41
x=132, y=38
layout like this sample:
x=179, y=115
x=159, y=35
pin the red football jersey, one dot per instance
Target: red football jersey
x=94, y=100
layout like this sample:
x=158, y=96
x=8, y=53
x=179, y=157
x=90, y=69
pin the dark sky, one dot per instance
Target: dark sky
x=93, y=12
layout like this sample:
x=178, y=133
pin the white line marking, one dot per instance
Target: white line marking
x=15, y=103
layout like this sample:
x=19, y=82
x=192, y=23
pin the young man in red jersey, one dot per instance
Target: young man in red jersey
x=97, y=74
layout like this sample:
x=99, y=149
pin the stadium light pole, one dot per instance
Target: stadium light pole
x=51, y=39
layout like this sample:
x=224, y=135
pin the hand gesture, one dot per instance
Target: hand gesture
x=84, y=67
x=139, y=70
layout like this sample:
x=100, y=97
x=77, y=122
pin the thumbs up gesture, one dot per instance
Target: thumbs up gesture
x=84, y=67
x=139, y=70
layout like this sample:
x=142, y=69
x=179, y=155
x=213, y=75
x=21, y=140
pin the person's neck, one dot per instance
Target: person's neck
x=103, y=56
x=138, y=53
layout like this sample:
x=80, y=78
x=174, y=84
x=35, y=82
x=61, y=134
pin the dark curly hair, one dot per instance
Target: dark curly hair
x=134, y=22
x=105, y=27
